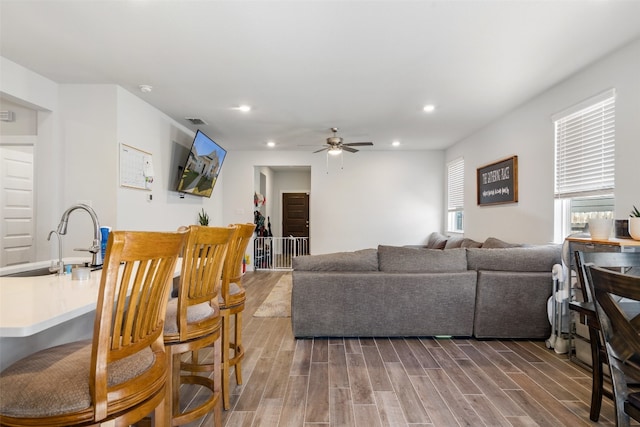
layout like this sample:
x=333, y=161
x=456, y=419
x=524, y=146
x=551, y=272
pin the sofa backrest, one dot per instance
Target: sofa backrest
x=362, y=260
x=529, y=258
x=413, y=260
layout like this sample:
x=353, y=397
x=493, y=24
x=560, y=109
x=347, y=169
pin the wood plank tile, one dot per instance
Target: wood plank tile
x=410, y=402
x=376, y=369
x=389, y=409
x=302, y=357
x=490, y=389
x=436, y=407
x=421, y=353
x=387, y=352
x=366, y=416
x=352, y=345
x=255, y=386
x=539, y=376
x=361, y=390
x=461, y=380
x=317, y=405
x=268, y=412
x=293, y=407
x=320, y=352
x=543, y=397
x=407, y=358
x=456, y=402
x=341, y=407
x=278, y=378
x=486, y=410
x=338, y=374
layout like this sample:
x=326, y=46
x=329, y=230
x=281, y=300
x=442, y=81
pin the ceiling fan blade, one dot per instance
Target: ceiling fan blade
x=358, y=144
x=322, y=149
x=349, y=149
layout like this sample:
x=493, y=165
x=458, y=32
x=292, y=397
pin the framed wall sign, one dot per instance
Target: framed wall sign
x=498, y=182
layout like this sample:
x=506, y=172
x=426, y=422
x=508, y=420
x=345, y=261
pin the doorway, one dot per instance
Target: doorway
x=16, y=205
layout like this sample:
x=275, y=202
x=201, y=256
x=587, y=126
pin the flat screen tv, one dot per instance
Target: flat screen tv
x=202, y=167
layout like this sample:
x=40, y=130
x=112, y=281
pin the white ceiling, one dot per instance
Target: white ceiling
x=366, y=67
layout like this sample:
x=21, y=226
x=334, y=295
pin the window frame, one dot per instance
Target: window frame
x=455, y=195
x=584, y=156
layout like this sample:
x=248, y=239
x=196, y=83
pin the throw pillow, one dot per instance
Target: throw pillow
x=492, y=243
x=454, y=242
x=437, y=241
x=410, y=260
x=470, y=243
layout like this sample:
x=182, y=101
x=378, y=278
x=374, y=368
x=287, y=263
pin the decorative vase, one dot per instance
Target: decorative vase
x=600, y=228
x=634, y=227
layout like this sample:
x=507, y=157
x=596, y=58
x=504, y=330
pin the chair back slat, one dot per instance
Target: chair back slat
x=136, y=278
x=232, y=272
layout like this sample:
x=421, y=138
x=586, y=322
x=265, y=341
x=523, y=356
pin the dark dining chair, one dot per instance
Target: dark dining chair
x=620, y=333
x=620, y=261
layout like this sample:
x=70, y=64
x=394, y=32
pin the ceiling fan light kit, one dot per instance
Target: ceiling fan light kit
x=335, y=144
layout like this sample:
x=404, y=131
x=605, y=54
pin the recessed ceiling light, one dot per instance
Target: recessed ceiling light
x=145, y=88
x=429, y=108
x=244, y=108
x=271, y=144
x=395, y=143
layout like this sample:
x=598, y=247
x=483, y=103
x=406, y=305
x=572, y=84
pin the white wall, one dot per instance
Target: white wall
x=528, y=133
x=380, y=197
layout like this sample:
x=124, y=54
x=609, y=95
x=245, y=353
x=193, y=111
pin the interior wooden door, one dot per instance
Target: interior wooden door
x=295, y=215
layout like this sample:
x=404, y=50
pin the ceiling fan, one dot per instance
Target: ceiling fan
x=335, y=144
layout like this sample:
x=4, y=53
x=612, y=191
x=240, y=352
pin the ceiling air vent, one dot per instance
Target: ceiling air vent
x=7, y=116
x=196, y=121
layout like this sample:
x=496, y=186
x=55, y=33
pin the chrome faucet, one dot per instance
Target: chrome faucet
x=59, y=268
x=96, y=258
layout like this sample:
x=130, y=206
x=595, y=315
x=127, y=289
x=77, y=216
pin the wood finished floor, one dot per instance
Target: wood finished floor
x=398, y=381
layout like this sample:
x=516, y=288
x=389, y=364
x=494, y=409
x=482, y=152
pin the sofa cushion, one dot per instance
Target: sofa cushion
x=492, y=243
x=436, y=241
x=534, y=258
x=362, y=260
x=403, y=259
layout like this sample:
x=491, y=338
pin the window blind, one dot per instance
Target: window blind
x=455, y=184
x=585, y=150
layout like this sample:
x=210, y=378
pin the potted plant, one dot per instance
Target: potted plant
x=634, y=224
x=203, y=217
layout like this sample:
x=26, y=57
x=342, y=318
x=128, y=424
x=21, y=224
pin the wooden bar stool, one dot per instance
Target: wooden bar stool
x=193, y=322
x=121, y=373
x=232, y=299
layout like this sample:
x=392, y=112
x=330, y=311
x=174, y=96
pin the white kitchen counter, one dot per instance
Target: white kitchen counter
x=29, y=305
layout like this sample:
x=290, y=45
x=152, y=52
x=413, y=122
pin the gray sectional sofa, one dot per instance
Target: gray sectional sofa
x=498, y=291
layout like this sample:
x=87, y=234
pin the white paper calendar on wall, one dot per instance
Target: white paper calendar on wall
x=136, y=168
